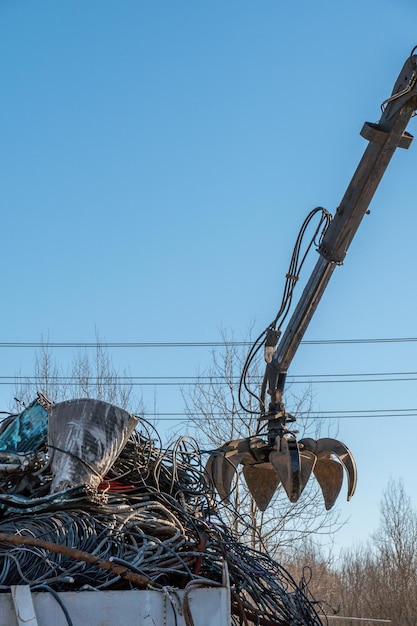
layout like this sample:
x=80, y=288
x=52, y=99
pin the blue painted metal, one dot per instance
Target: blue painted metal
x=27, y=430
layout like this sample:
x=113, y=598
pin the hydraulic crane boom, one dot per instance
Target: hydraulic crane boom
x=282, y=459
x=384, y=138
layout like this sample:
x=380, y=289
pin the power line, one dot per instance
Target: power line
x=326, y=415
x=141, y=344
x=374, y=414
x=218, y=380
x=191, y=344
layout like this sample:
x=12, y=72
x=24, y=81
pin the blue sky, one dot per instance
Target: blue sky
x=157, y=161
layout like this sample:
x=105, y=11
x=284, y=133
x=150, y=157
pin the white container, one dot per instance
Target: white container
x=208, y=607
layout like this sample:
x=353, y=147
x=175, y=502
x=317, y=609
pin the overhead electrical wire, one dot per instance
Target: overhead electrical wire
x=192, y=344
x=327, y=415
x=180, y=416
x=175, y=381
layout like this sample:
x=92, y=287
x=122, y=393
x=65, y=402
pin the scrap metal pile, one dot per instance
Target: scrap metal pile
x=88, y=501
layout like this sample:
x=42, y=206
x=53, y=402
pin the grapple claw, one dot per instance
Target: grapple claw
x=308, y=463
x=262, y=481
x=214, y=470
x=285, y=459
x=345, y=456
x=266, y=465
x=221, y=470
x=329, y=473
x=221, y=465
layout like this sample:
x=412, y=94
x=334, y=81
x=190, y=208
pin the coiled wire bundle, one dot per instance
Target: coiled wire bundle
x=153, y=522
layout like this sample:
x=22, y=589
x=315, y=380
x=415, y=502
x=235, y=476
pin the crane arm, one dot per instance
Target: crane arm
x=384, y=138
x=282, y=459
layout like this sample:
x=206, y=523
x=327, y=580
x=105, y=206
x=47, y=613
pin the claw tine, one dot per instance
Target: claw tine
x=308, y=443
x=329, y=474
x=221, y=468
x=333, y=446
x=229, y=464
x=209, y=470
x=214, y=468
x=281, y=465
x=262, y=481
x=286, y=462
x=243, y=445
x=308, y=462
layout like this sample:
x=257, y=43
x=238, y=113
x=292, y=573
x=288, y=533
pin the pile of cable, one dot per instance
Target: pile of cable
x=152, y=523
x=147, y=545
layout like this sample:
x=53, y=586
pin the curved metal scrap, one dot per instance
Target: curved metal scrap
x=86, y=436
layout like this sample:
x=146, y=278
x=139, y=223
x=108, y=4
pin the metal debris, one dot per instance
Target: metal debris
x=122, y=513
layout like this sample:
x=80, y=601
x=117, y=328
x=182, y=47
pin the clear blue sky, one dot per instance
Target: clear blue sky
x=157, y=160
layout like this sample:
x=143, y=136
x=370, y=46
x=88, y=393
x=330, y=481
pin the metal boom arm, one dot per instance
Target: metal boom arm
x=384, y=137
x=282, y=460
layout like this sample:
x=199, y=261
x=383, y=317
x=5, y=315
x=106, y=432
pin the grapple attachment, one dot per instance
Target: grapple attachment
x=286, y=462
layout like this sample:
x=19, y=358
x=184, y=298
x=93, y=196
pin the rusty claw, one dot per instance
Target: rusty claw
x=222, y=463
x=287, y=462
x=328, y=471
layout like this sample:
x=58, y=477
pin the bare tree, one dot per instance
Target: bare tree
x=395, y=591
x=90, y=375
x=213, y=408
x=373, y=580
x=379, y=579
x=313, y=565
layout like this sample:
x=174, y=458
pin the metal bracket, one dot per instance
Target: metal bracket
x=23, y=605
x=376, y=134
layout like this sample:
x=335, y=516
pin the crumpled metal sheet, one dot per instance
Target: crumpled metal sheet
x=85, y=437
